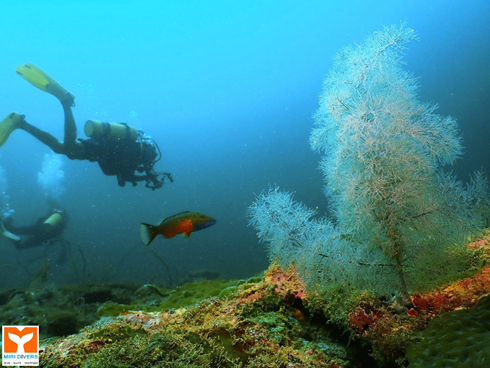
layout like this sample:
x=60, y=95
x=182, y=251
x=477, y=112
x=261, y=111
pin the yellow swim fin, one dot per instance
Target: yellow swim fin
x=8, y=125
x=44, y=82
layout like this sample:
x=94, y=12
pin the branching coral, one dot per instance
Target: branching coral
x=390, y=198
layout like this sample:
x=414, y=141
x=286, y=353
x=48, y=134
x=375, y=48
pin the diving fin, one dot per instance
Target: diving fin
x=7, y=233
x=44, y=82
x=8, y=125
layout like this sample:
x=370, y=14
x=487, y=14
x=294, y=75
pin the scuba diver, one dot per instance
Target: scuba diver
x=118, y=148
x=45, y=229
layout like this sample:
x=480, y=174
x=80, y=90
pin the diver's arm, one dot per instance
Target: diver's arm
x=152, y=178
x=134, y=179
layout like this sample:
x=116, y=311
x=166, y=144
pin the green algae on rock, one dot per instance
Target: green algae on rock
x=455, y=339
x=259, y=324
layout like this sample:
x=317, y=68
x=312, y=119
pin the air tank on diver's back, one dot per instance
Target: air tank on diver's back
x=114, y=131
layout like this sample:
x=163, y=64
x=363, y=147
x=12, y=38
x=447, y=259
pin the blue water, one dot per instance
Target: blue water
x=227, y=89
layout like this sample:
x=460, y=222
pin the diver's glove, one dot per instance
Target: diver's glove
x=156, y=180
x=121, y=182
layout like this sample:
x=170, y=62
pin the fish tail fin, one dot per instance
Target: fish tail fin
x=148, y=233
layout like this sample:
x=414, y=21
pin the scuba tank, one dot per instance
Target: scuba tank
x=53, y=220
x=114, y=131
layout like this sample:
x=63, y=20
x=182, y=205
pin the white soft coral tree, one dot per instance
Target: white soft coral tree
x=397, y=220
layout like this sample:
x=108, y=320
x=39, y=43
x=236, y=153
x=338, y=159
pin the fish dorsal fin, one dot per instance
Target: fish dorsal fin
x=177, y=214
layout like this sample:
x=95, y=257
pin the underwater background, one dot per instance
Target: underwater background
x=227, y=90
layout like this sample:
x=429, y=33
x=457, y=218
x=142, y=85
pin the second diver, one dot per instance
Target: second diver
x=119, y=149
x=44, y=230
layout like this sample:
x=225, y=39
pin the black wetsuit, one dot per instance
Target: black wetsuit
x=121, y=158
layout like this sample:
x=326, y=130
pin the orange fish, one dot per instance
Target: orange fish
x=182, y=223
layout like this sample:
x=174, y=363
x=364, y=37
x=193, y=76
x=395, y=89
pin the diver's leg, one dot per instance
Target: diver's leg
x=39, y=79
x=48, y=139
x=70, y=142
x=72, y=149
x=29, y=242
